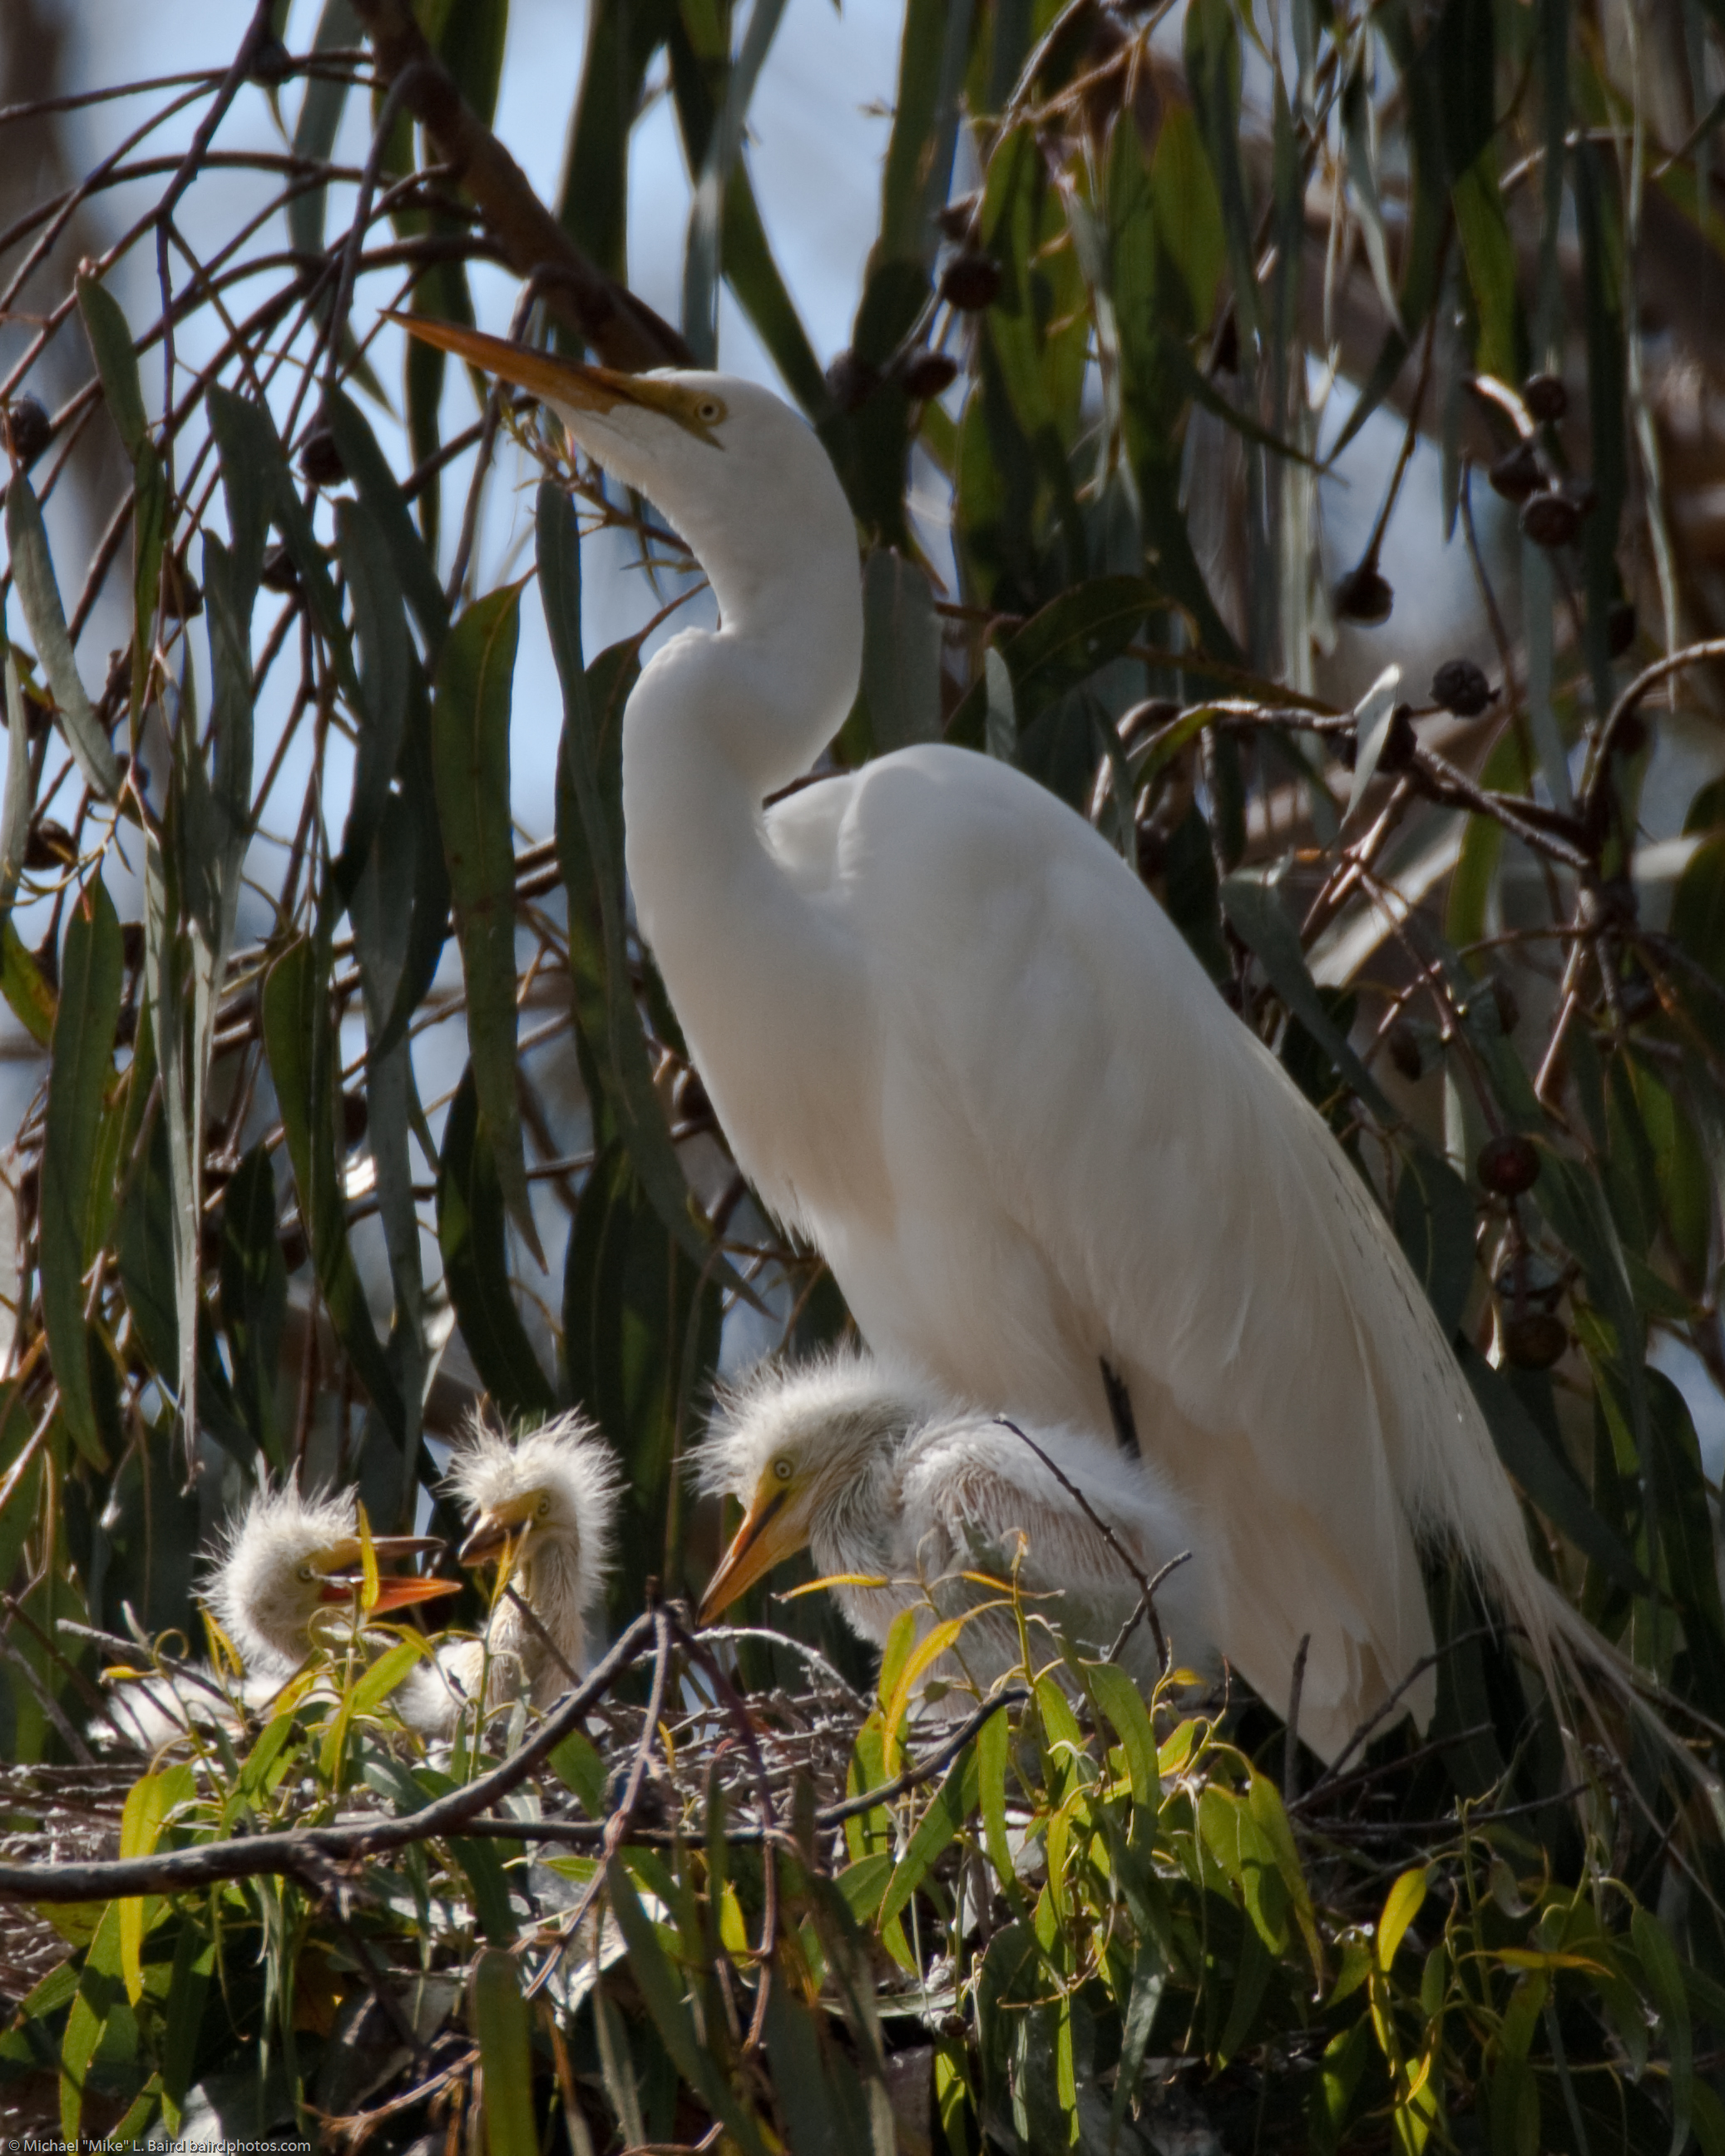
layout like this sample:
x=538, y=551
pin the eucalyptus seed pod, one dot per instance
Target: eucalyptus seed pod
x=926, y=374
x=1516, y=474
x=1461, y=687
x=1545, y=397
x=971, y=280
x=852, y=380
x=1535, y=1340
x=1508, y=1165
x=1364, y=597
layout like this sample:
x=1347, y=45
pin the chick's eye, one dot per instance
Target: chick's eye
x=782, y=1469
x=544, y=1506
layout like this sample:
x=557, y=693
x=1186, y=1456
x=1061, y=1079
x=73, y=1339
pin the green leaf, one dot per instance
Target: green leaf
x=1257, y=917
x=1545, y=1474
x=28, y=997
x=662, y=1995
x=254, y=1292
x=246, y=437
x=73, y=1209
x=1120, y=1701
x=469, y=748
x=471, y=1233
x=380, y=492
x=148, y=537
x=100, y=1996
x=1087, y=627
x=315, y=130
x=1434, y=1225
x=901, y=653
x=20, y=786
x=110, y=344
x=498, y=2016
x=385, y=655
x=1402, y=1904
x=1664, y=1979
x=148, y=1804
x=1490, y=255
x=38, y=595
x=194, y=1959
x=297, y=1040
x=939, y=1827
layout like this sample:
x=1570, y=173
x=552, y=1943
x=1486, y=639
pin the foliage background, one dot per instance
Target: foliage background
x=320, y=1149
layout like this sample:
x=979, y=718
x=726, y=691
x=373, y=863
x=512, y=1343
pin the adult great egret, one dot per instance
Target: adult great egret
x=545, y=1502
x=882, y=1478
x=953, y=1039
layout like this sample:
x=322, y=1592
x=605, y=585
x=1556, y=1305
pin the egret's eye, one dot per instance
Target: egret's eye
x=710, y=411
x=782, y=1469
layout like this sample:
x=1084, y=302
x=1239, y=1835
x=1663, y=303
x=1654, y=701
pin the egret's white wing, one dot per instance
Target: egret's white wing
x=1090, y=1157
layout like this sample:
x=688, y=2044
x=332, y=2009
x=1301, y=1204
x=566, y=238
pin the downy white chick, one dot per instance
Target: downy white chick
x=879, y=1476
x=545, y=1501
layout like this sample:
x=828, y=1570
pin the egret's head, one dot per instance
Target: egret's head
x=800, y=1446
x=553, y=1489
x=739, y=473
x=288, y=1560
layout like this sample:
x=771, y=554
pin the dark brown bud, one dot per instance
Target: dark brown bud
x=852, y=381
x=29, y=430
x=1516, y=474
x=1153, y=851
x=971, y=280
x=279, y=574
x=269, y=61
x=1535, y=1340
x=295, y=1249
x=690, y=1101
x=959, y=215
x=182, y=595
x=125, y=1026
x=1397, y=752
x=1545, y=397
x=1509, y=1165
x=1461, y=687
x=1551, y=518
x=48, y=845
x=926, y=374
x=321, y=460
x=1364, y=597
x=39, y=713
x=132, y=944
x=1403, y=1043
x=1620, y=628
x=356, y=1119
x=1509, y=1011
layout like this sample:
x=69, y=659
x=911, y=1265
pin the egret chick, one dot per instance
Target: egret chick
x=280, y=1579
x=881, y=1477
x=545, y=1502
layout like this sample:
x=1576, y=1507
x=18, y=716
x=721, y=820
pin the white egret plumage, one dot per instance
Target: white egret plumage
x=543, y=1502
x=884, y=1480
x=282, y=1579
x=953, y=1039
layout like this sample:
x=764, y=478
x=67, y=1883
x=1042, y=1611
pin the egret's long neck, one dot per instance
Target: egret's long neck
x=716, y=723
x=549, y=1582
